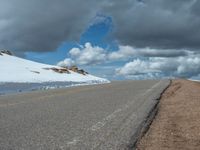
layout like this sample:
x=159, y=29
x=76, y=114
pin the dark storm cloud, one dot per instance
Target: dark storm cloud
x=170, y=24
x=42, y=25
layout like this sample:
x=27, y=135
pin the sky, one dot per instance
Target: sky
x=115, y=39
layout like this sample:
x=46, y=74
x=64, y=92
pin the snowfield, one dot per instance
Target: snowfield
x=19, y=75
x=18, y=70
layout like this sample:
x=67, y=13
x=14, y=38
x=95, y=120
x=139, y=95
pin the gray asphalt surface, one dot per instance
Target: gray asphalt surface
x=81, y=118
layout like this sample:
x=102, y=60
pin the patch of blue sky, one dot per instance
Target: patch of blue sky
x=98, y=32
x=52, y=57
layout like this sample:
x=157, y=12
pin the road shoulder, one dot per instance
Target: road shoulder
x=176, y=125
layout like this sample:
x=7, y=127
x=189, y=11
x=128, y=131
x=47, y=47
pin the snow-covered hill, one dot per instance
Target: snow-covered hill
x=18, y=70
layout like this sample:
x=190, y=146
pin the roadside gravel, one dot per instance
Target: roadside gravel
x=177, y=124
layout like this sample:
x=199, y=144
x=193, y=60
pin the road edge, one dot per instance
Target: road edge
x=145, y=125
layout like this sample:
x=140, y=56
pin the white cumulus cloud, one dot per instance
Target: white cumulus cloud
x=147, y=62
x=188, y=66
x=66, y=63
x=93, y=55
x=87, y=55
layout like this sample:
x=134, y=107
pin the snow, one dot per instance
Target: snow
x=18, y=70
x=194, y=80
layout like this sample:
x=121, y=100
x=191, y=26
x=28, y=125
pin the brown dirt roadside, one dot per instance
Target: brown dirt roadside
x=177, y=124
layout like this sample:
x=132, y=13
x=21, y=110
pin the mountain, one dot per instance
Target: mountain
x=17, y=70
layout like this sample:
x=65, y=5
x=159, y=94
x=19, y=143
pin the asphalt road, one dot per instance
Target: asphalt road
x=83, y=118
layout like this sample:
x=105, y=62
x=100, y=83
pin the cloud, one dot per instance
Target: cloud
x=137, y=67
x=43, y=25
x=88, y=55
x=127, y=52
x=186, y=67
x=158, y=24
x=93, y=55
x=66, y=63
x=147, y=63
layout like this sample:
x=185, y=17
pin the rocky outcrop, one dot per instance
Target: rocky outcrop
x=5, y=52
x=58, y=70
x=81, y=71
x=67, y=70
x=77, y=70
x=73, y=68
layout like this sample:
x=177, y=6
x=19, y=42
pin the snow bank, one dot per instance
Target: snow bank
x=18, y=70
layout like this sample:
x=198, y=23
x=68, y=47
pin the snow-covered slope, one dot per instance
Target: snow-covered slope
x=18, y=70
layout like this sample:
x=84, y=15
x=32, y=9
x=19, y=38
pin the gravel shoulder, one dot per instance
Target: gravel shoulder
x=177, y=124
